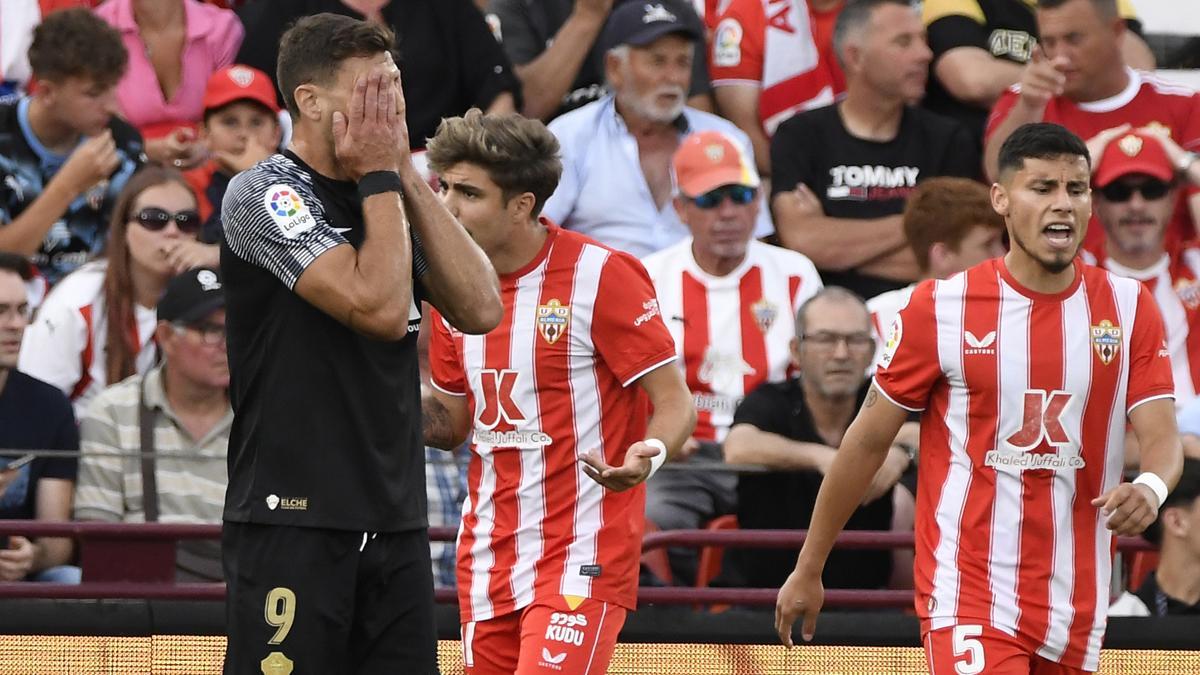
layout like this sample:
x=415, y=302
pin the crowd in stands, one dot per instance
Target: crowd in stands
x=787, y=171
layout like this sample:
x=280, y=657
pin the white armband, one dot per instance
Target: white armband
x=658, y=460
x=1156, y=485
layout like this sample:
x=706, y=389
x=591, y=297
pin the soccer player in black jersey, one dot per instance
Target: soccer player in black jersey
x=329, y=250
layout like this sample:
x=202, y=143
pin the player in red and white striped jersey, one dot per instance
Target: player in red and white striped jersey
x=950, y=226
x=1026, y=369
x=556, y=402
x=1135, y=199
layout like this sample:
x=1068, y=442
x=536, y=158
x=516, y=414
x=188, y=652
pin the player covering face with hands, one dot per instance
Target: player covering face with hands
x=1025, y=370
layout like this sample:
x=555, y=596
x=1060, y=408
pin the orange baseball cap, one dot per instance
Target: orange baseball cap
x=707, y=160
x=236, y=83
x=1135, y=152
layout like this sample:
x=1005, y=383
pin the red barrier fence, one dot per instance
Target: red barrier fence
x=123, y=560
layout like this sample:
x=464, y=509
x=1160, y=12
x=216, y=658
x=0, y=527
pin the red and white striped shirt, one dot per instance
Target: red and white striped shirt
x=1174, y=281
x=553, y=381
x=1025, y=397
x=731, y=332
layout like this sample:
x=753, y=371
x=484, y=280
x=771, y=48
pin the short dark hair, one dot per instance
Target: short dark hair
x=314, y=47
x=519, y=154
x=1039, y=140
x=17, y=264
x=77, y=43
x=1106, y=8
x=854, y=15
x=1186, y=491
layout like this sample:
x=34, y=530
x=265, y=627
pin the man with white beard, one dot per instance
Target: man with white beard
x=617, y=185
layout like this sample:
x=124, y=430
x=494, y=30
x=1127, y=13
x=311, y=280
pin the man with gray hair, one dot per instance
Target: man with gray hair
x=616, y=184
x=840, y=174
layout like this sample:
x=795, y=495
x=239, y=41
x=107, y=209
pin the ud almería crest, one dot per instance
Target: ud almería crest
x=1106, y=340
x=553, y=319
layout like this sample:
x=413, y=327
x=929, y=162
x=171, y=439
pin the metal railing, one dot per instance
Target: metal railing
x=137, y=560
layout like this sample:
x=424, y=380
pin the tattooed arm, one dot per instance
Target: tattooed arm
x=445, y=419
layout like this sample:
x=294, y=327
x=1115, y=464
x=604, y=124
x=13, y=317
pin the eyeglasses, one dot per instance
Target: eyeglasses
x=1121, y=192
x=211, y=334
x=739, y=194
x=827, y=340
x=154, y=219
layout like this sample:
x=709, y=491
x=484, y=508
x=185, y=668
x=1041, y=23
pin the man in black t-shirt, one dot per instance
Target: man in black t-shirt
x=64, y=154
x=329, y=250
x=794, y=428
x=840, y=174
x=556, y=49
x=449, y=59
x=33, y=416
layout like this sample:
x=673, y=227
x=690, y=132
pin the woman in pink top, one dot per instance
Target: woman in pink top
x=174, y=46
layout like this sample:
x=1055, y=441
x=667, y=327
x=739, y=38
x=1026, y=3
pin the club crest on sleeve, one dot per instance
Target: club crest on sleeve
x=1106, y=340
x=288, y=210
x=553, y=319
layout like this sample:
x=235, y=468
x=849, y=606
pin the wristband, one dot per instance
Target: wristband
x=658, y=460
x=378, y=182
x=1156, y=485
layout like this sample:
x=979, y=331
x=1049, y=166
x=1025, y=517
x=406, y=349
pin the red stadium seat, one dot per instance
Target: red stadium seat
x=1141, y=563
x=656, y=559
x=710, y=556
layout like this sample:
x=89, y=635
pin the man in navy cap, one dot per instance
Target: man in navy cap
x=178, y=417
x=617, y=185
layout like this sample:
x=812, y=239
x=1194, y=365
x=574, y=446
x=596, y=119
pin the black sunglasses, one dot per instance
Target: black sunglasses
x=154, y=219
x=740, y=194
x=1122, y=192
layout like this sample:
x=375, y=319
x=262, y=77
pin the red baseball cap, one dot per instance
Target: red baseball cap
x=236, y=83
x=1135, y=152
x=706, y=160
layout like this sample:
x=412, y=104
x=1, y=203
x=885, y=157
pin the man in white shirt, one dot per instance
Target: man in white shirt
x=616, y=185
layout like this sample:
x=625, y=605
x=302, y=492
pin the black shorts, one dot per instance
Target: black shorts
x=327, y=601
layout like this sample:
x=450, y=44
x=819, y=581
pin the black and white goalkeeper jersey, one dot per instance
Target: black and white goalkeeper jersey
x=327, y=425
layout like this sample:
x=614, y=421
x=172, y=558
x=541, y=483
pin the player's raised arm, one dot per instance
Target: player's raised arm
x=368, y=289
x=863, y=450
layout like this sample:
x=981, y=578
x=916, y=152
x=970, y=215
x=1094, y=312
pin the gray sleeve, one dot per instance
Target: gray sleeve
x=275, y=221
x=517, y=33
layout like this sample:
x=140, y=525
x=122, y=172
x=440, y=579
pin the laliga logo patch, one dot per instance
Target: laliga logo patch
x=288, y=211
x=727, y=43
x=241, y=76
x=893, y=342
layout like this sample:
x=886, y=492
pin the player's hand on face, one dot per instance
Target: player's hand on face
x=1041, y=80
x=618, y=478
x=800, y=597
x=1129, y=508
x=367, y=135
x=16, y=560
